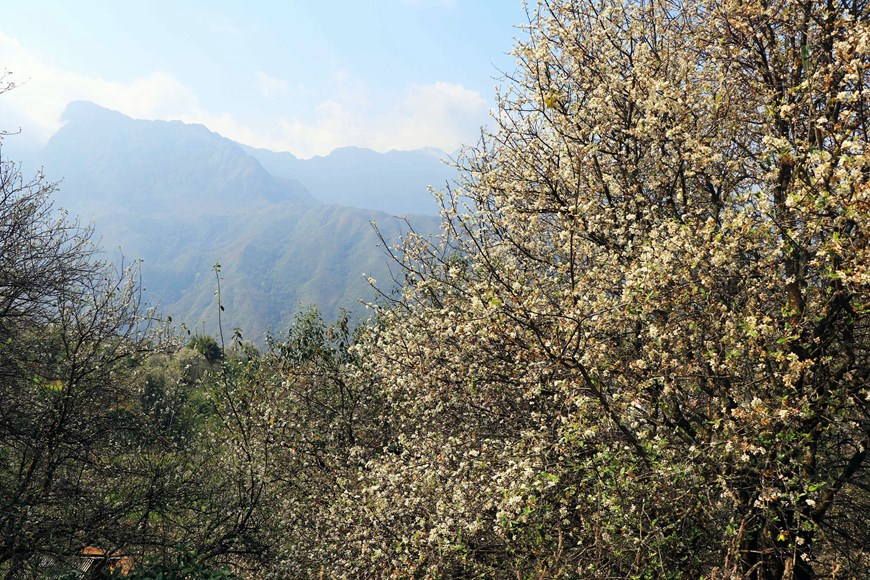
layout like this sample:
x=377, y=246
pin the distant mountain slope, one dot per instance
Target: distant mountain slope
x=182, y=198
x=275, y=259
x=395, y=182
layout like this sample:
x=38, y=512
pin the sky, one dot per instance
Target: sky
x=305, y=76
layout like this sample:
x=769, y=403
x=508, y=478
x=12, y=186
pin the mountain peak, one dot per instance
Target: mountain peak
x=141, y=164
x=108, y=159
x=78, y=110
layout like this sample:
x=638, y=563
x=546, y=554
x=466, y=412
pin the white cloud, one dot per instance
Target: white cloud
x=440, y=114
x=272, y=87
x=44, y=91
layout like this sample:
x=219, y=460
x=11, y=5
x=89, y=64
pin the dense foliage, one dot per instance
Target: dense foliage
x=638, y=350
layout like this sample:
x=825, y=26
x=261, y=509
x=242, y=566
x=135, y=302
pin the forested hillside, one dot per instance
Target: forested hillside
x=638, y=349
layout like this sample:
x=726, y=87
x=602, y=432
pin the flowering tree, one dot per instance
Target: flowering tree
x=640, y=348
x=281, y=432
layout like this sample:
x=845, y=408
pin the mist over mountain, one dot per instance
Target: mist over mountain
x=182, y=198
x=357, y=177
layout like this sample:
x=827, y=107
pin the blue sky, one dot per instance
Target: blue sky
x=304, y=76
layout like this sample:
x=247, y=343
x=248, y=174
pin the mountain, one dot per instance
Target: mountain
x=112, y=162
x=182, y=198
x=352, y=176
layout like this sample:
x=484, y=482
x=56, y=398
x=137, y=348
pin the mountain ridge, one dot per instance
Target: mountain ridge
x=360, y=177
